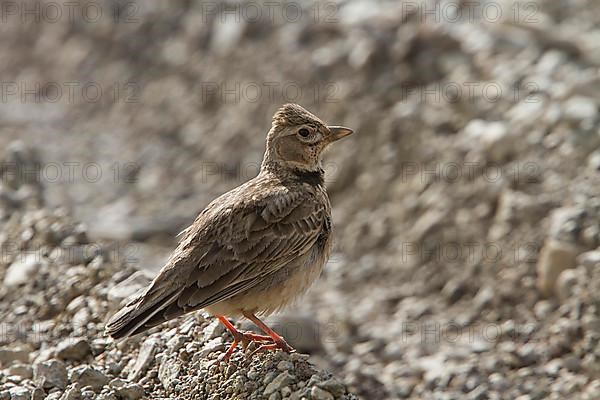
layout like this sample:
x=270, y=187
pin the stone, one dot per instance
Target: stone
x=72, y=393
x=555, y=257
x=168, y=372
x=20, y=393
x=333, y=386
x=9, y=355
x=493, y=138
x=316, y=393
x=127, y=391
x=73, y=349
x=565, y=284
x=282, y=380
x=579, y=108
x=22, y=269
x=85, y=375
x=23, y=370
x=50, y=374
x=136, y=282
x=145, y=357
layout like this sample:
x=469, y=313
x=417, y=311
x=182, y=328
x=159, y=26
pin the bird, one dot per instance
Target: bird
x=253, y=250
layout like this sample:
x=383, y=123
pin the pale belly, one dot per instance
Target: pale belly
x=279, y=291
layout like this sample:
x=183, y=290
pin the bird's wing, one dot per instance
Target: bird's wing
x=250, y=242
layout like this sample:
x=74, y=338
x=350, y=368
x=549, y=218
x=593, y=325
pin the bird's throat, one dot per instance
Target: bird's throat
x=314, y=178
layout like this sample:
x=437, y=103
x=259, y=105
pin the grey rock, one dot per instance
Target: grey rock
x=128, y=287
x=282, y=380
x=333, y=386
x=72, y=393
x=85, y=375
x=73, y=349
x=213, y=330
x=317, y=393
x=145, y=357
x=22, y=269
x=49, y=374
x=22, y=370
x=168, y=372
x=555, y=257
x=127, y=391
x=20, y=393
x=9, y=355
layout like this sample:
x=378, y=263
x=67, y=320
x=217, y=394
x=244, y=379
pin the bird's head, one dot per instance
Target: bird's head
x=297, y=139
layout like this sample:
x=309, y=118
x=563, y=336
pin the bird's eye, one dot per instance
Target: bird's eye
x=304, y=132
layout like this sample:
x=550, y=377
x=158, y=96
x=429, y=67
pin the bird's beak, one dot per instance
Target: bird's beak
x=338, y=132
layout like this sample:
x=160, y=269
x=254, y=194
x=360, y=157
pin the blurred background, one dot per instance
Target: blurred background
x=466, y=205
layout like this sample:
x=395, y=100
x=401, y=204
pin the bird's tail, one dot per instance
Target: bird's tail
x=143, y=312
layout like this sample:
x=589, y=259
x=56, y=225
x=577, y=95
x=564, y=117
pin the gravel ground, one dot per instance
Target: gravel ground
x=466, y=206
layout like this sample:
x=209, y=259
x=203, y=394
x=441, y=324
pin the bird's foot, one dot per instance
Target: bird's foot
x=278, y=343
x=244, y=338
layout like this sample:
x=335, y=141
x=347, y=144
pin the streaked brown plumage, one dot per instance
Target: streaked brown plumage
x=253, y=249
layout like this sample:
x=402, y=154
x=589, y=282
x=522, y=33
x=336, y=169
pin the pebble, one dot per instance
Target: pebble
x=73, y=349
x=85, y=375
x=145, y=357
x=282, y=380
x=317, y=393
x=22, y=270
x=49, y=374
x=555, y=257
x=9, y=355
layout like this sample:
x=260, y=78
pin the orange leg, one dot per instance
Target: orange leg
x=240, y=337
x=279, y=342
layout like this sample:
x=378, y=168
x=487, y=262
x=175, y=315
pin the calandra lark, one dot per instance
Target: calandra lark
x=254, y=249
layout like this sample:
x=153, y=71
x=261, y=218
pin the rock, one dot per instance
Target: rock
x=580, y=108
x=23, y=370
x=50, y=374
x=145, y=357
x=168, y=371
x=213, y=330
x=282, y=380
x=128, y=287
x=566, y=284
x=10, y=355
x=493, y=138
x=72, y=393
x=85, y=375
x=73, y=349
x=22, y=269
x=20, y=393
x=285, y=365
x=333, y=386
x=589, y=259
x=127, y=391
x=317, y=393
x=555, y=257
